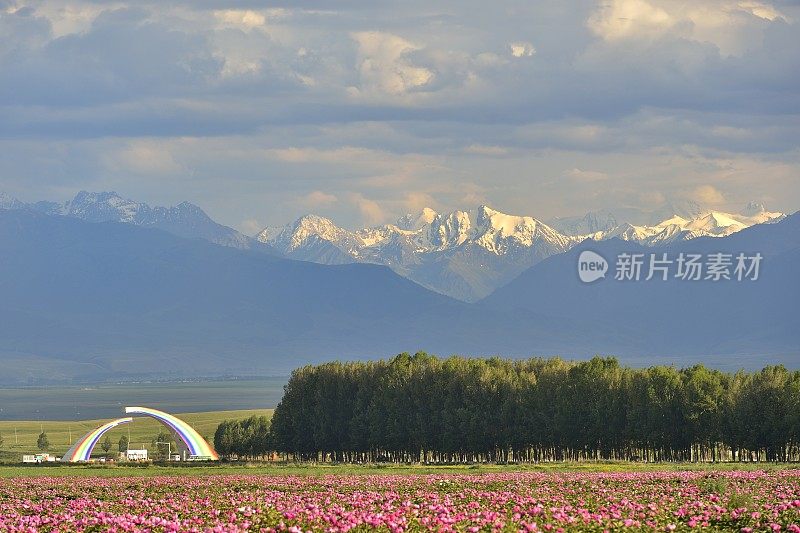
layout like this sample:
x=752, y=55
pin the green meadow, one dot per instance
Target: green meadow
x=279, y=468
x=19, y=437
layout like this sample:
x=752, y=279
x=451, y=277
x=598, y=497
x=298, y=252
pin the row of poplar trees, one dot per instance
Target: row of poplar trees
x=244, y=439
x=422, y=408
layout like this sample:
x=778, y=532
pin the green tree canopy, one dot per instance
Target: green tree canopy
x=106, y=445
x=423, y=408
x=43, y=443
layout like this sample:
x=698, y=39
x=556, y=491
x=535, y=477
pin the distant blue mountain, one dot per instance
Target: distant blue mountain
x=731, y=323
x=184, y=220
x=111, y=300
x=108, y=300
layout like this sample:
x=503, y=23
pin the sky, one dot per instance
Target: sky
x=363, y=111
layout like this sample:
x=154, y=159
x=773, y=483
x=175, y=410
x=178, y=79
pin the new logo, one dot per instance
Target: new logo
x=591, y=266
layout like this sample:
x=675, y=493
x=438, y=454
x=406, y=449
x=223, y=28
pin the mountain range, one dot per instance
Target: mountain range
x=105, y=288
x=469, y=254
x=183, y=220
x=108, y=300
x=465, y=254
x=745, y=320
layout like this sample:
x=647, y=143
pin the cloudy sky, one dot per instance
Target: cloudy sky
x=363, y=110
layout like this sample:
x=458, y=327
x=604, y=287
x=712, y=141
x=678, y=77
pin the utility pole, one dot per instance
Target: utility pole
x=16, y=440
x=70, y=434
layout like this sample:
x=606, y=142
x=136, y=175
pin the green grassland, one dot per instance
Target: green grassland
x=141, y=432
x=279, y=469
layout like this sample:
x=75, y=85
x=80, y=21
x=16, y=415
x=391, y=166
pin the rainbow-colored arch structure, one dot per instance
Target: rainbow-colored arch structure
x=82, y=449
x=195, y=445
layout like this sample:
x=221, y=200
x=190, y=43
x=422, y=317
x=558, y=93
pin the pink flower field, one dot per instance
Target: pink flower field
x=660, y=501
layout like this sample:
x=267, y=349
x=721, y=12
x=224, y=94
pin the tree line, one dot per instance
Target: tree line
x=415, y=408
x=244, y=439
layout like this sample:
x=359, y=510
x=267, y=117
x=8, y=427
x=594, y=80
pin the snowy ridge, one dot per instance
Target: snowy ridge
x=708, y=224
x=468, y=254
x=496, y=232
x=9, y=202
x=184, y=219
x=428, y=232
x=464, y=254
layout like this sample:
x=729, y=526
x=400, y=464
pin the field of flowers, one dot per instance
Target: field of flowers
x=661, y=501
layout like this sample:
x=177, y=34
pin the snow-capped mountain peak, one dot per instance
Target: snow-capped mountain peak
x=411, y=222
x=468, y=253
x=494, y=229
x=464, y=243
x=715, y=223
x=709, y=223
x=507, y=225
x=9, y=202
x=304, y=228
x=673, y=221
x=104, y=207
x=446, y=231
x=184, y=219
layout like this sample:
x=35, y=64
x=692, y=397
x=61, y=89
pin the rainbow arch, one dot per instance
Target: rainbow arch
x=82, y=449
x=196, y=445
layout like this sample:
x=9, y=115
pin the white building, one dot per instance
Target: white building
x=38, y=458
x=136, y=455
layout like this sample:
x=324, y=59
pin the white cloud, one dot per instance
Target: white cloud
x=371, y=213
x=237, y=66
x=764, y=11
x=473, y=194
x=707, y=195
x=650, y=199
x=281, y=105
x=294, y=154
x=417, y=201
x=251, y=226
x=489, y=60
x=384, y=67
x=727, y=24
x=243, y=18
x=71, y=18
x=731, y=132
x=483, y=149
x=619, y=19
x=587, y=175
x=317, y=199
x=522, y=49
x=145, y=157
